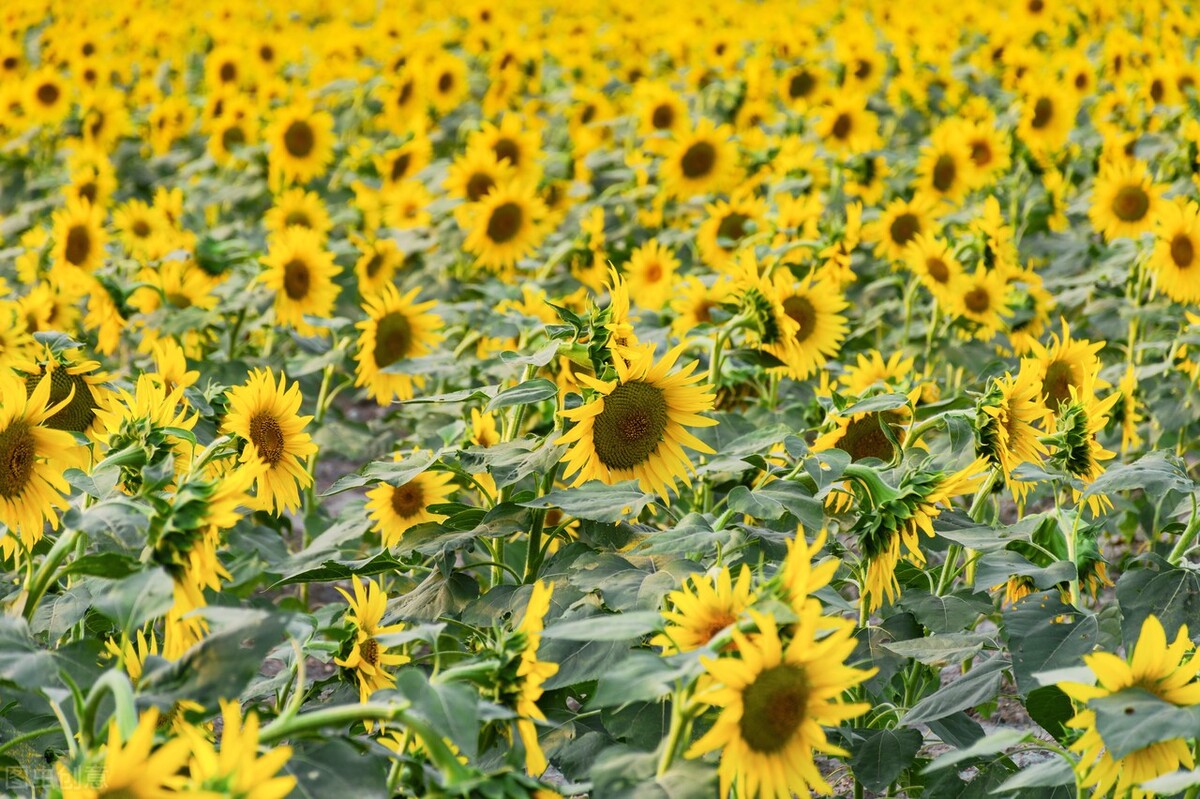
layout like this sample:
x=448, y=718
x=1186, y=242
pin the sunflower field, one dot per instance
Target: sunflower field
x=517, y=399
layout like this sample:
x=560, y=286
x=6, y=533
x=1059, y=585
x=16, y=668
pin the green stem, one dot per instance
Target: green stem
x=680, y=723
x=115, y=683
x=45, y=574
x=1187, y=538
x=28, y=736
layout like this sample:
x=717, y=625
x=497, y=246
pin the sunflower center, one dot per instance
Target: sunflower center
x=631, y=426
x=297, y=218
x=732, y=227
x=719, y=621
x=977, y=300
x=267, y=436
x=228, y=72
x=698, y=160
x=800, y=85
x=507, y=148
x=408, y=500
x=374, y=265
x=393, y=339
x=775, y=705
x=141, y=228
x=904, y=227
x=653, y=273
x=1057, y=383
x=864, y=438
x=77, y=415
x=802, y=312
x=79, y=245
x=1183, y=252
x=400, y=165
x=505, y=222
x=179, y=299
x=445, y=82
x=47, y=94
x=296, y=279
x=299, y=139
x=981, y=153
x=937, y=269
x=18, y=449
x=944, y=172
x=368, y=650
x=1131, y=204
x=88, y=191
x=663, y=117
x=479, y=184
x=842, y=125
x=233, y=136
x=1043, y=112
x=405, y=94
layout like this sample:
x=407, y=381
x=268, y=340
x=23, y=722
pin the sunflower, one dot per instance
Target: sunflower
x=531, y=673
x=229, y=137
x=297, y=207
x=396, y=508
x=1176, y=258
x=1004, y=423
x=636, y=425
x=139, y=228
x=46, y=100
x=900, y=223
x=801, y=86
x=728, y=223
x=403, y=100
x=1047, y=116
x=944, y=168
x=446, y=82
x=237, y=768
x=981, y=298
x=933, y=262
x=989, y=150
x=846, y=126
x=1166, y=670
x=1124, y=200
x=301, y=271
x=141, y=419
x=694, y=302
x=404, y=162
x=774, y=699
x=506, y=225
x=126, y=768
x=511, y=143
x=301, y=142
x=1130, y=411
x=700, y=161
x=377, y=264
x=1066, y=365
x=862, y=435
x=651, y=273
x=475, y=174
x=406, y=205
x=396, y=328
x=368, y=657
x=32, y=458
x=703, y=608
x=871, y=370
x=15, y=340
x=1074, y=448
x=79, y=235
x=265, y=414
x=77, y=388
x=659, y=109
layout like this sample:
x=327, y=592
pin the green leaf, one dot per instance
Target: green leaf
x=941, y=650
x=23, y=662
x=1172, y=594
x=880, y=758
x=1044, y=634
x=951, y=613
x=981, y=684
x=134, y=600
x=994, y=744
x=526, y=393
x=641, y=677
x=1173, y=783
x=1134, y=718
x=336, y=768
x=694, y=533
x=1051, y=709
x=395, y=473
x=1156, y=473
x=611, y=627
x=596, y=501
x=996, y=567
x=1049, y=773
x=437, y=596
x=876, y=404
x=450, y=708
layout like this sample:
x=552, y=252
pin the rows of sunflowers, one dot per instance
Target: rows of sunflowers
x=609, y=398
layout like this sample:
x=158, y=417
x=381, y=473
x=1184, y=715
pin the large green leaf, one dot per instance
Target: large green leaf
x=1171, y=593
x=1134, y=718
x=1043, y=634
x=596, y=501
x=878, y=758
x=981, y=684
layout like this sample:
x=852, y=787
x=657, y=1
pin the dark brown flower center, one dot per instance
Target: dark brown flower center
x=232, y=136
x=77, y=415
x=140, y=228
x=296, y=279
x=843, y=124
x=937, y=269
x=904, y=227
x=48, y=94
x=408, y=500
x=1057, y=384
x=698, y=160
x=801, y=84
x=393, y=339
x=732, y=227
x=631, y=426
x=774, y=707
x=1131, y=204
x=400, y=165
x=505, y=222
x=299, y=139
x=79, y=245
x=479, y=185
x=663, y=117
x=18, y=451
x=228, y=72
x=977, y=300
x=1183, y=252
x=944, y=172
x=802, y=312
x=267, y=437
x=864, y=437
x=981, y=152
x=299, y=218
x=507, y=148
x=368, y=650
x=1043, y=113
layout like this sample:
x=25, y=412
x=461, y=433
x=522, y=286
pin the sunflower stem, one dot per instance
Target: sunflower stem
x=1187, y=538
x=680, y=717
x=41, y=580
x=28, y=736
x=116, y=683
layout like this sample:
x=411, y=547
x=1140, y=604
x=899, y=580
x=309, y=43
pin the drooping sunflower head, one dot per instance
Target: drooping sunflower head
x=1005, y=419
x=635, y=427
x=1064, y=366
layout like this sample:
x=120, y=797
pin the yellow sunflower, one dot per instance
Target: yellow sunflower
x=396, y=508
x=46, y=101
x=1004, y=421
x=531, y=673
x=79, y=236
x=396, y=328
x=1176, y=258
x=15, y=339
x=506, y=225
x=933, y=262
x=660, y=109
x=32, y=459
x=1124, y=200
x=404, y=162
x=377, y=263
x=133, y=767
x=1166, y=670
x=651, y=273
x=301, y=142
x=511, y=143
x=703, y=607
x=1063, y=366
x=899, y=224
x=369, y=658
x=775, y=699
x=981, y=298
x=846, y=126
x=1048, y=113
x=476, y=173
x=694, y=302
x=237, y=768
x=944, y=168
x=301, y=271
x=297, y=207
x=728, y=223
x=265, y=414
x=78, y=388
x=635, y=428
x=700, y=161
